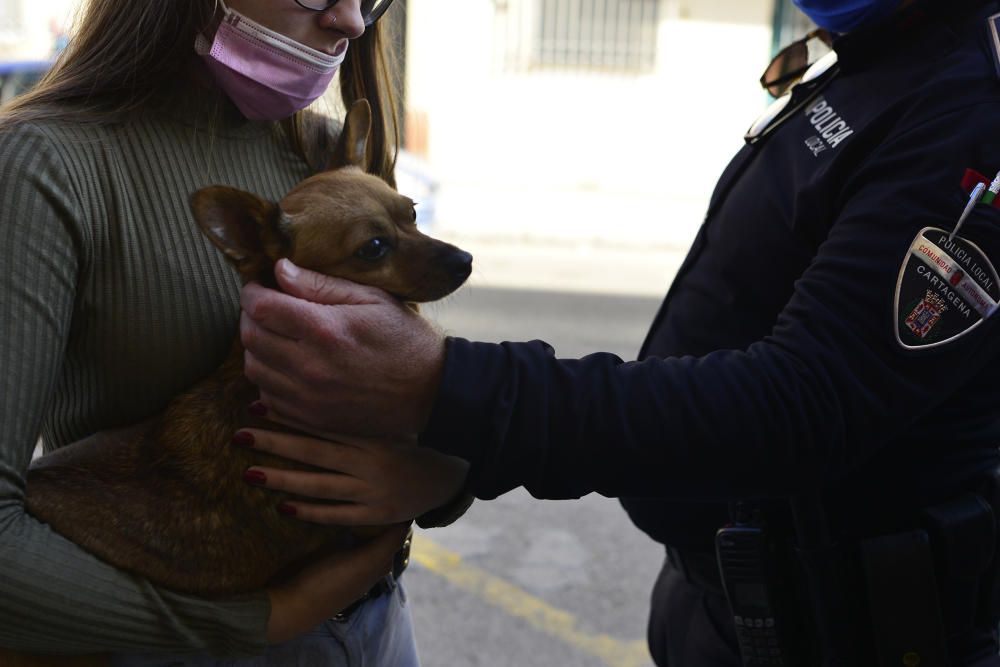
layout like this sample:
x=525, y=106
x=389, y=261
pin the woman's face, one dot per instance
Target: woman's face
x=322, y=31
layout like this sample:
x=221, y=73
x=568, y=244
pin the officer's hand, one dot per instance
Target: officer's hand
x=338, y=356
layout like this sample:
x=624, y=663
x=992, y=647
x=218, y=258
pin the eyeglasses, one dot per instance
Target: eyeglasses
x=371, y=10
x=791, y=63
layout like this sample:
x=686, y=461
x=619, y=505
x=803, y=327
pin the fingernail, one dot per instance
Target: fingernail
x=287, y=510
x=244, y=439
x=257, y=409
x=255, y=477
x=289, y=269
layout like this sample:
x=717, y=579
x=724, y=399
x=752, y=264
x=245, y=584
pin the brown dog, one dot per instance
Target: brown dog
x=170, y=505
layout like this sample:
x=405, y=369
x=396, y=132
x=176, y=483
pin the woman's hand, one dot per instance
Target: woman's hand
x=375, y=481
x=329, y=585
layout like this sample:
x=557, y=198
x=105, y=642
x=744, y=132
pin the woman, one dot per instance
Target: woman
x=112, y=301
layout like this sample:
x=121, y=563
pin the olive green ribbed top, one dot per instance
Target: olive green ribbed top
x=111, y=302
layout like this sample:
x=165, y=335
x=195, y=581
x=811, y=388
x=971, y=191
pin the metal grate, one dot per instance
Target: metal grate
x=617, y=36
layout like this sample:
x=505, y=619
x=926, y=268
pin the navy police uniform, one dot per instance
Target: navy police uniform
x=823, y=333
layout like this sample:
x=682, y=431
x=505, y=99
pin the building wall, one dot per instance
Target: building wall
x=553, y=153
x=575, y=154
x=27, y=27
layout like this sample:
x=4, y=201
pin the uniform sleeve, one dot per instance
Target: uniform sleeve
x=54, y=597
x=807, y=404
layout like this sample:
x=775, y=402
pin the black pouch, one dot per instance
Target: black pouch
x=988, y=615
x=962, y=536
x=903, y=599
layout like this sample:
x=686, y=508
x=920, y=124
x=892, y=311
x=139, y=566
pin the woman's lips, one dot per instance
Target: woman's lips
x=338, y=48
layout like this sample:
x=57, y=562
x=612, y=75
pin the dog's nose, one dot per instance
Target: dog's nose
x=459, y=264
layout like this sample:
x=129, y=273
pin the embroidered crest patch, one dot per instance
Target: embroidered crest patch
x=945, y=290
x=927, y=313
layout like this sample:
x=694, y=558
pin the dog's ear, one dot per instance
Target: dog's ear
x=247, y=228
x=352, y=144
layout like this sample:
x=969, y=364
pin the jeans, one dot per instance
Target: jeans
x=378, y=634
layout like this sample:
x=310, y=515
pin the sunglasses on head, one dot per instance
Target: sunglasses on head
x=791, y=63
x=371, y=10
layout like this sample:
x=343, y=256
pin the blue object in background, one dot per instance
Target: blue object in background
x=20, y=75
x=414, y=179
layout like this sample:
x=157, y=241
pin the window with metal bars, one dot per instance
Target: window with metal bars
x=618, y=36
x=789, y=24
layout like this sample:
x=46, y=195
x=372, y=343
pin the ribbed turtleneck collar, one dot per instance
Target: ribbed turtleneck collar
x=198, y=103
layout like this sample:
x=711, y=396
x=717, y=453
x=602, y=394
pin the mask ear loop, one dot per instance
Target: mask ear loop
x=215, y=12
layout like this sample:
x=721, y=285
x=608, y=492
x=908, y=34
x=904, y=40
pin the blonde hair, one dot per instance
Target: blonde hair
x=125, y=51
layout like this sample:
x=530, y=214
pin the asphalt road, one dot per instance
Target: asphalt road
x=529, y=583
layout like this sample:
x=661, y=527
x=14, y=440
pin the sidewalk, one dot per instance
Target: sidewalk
x=559, y=266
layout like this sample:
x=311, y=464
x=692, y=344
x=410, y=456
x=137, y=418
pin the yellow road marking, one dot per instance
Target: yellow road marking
x=536, y=612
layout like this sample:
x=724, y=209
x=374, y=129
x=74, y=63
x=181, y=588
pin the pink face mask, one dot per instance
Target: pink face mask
x=267, y=75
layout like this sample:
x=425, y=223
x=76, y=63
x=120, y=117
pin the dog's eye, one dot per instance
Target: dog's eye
x=413, y=214
x=374, y=250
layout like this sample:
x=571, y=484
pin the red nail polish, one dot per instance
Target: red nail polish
x=255, y=477
x=287, y=510
x=243, y=439
x=257, y=409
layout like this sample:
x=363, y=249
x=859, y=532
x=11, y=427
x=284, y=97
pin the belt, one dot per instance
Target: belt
x=386, y=584
x=698, y=568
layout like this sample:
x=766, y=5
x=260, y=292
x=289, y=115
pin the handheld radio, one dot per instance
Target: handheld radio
x=748, y=566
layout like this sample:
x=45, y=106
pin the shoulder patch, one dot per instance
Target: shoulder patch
x=946, y=288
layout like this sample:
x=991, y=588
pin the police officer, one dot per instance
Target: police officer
x=830, y=329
